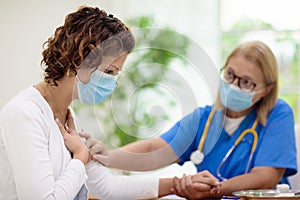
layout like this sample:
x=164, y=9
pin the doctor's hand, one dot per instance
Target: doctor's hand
x=198, y=186
x=96, y=148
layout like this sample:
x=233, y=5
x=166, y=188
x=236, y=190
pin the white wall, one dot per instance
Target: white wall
x=26, y=25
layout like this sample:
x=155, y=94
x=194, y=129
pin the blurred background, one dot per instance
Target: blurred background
x=181, y=45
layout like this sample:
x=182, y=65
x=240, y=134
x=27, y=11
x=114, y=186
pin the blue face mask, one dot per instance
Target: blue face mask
x=98, y=89
x=234, y=98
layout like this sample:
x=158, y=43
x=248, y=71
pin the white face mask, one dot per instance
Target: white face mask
x=98, y=89
x=234, y=98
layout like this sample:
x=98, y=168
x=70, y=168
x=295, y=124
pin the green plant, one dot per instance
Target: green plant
x=123, y=116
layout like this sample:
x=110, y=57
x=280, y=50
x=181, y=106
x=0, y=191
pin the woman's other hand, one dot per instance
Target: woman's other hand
x=73, y=142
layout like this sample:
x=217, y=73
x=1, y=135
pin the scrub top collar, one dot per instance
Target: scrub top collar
x=216, y=129
x=247, y=122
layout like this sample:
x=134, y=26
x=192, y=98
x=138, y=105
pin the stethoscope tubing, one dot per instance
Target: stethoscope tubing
x=236, y=143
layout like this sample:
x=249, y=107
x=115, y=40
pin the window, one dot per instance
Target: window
x=275, y=23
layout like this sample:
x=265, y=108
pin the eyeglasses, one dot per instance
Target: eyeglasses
x=244, y=84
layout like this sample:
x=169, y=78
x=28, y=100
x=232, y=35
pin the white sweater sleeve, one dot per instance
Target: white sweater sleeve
x=25, y=136
x=107, y=186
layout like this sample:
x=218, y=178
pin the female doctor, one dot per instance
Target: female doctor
x=246, y=139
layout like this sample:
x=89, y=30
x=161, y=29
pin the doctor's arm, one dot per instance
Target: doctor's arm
x=142, y=155
x=152, y=153
x=257, y=178
x=263, y=177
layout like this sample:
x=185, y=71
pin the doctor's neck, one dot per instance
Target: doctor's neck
x=236, y=114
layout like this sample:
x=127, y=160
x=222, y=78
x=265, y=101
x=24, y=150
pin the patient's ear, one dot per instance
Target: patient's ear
x=84, y=75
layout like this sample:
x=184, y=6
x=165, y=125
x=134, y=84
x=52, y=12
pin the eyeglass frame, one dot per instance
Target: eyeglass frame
x=222, y=71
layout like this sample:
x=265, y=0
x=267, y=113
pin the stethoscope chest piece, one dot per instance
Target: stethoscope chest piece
x=197, y=157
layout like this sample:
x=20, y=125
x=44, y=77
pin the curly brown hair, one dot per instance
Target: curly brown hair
x=87, y=35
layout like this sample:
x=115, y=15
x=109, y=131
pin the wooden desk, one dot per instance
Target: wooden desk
x=92, y=198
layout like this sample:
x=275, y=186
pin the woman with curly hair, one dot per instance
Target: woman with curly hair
x=81, y=61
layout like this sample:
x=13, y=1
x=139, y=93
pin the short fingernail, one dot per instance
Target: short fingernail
x=57, y=120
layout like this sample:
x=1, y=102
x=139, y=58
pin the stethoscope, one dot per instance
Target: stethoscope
x=197, y=156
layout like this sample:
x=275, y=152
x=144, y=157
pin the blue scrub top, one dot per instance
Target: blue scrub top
x=276, y=141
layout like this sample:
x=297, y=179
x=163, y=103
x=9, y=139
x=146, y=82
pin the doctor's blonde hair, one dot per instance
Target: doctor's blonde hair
x=260, y=54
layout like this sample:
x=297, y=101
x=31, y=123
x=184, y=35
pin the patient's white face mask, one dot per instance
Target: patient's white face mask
x=98, y=89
